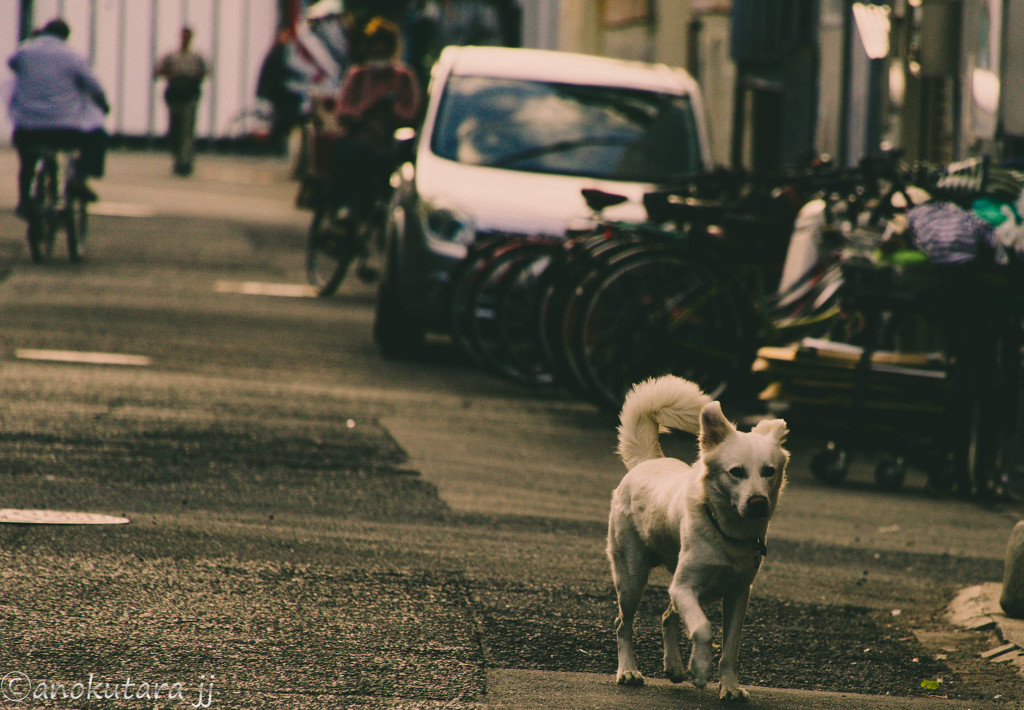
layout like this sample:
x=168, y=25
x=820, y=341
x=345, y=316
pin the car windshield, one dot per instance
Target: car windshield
x=593, y=131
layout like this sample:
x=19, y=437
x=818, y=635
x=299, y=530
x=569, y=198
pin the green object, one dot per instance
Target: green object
x=991, y=210
x=908, y=256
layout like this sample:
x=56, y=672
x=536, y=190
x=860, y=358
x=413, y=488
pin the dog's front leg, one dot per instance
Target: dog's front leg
x=699, y=628
x=734, y=609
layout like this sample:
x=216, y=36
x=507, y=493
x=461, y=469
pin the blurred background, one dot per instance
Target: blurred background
x=782, y=79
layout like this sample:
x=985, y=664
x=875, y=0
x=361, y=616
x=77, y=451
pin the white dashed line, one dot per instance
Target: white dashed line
x=56, y=517
x=257, y=288
x=83, y=358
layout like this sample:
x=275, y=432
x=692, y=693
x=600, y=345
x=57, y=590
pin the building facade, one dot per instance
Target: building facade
x=785, y=80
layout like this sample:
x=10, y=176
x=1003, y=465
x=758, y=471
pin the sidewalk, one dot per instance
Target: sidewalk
x=977, y=608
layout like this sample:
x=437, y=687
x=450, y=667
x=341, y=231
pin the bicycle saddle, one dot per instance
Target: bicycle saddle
x=597, y=200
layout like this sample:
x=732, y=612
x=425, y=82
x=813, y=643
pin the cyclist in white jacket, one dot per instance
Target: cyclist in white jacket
x=57, y=101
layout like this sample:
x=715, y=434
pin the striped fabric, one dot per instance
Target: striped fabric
x=947, y=233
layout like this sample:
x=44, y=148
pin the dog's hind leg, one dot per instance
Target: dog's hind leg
x=734, y=609
x=670, y=635
x=630, y=572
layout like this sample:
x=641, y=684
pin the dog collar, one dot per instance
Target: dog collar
x=757, y=542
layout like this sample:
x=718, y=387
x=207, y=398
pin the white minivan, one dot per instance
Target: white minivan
x=509, y=139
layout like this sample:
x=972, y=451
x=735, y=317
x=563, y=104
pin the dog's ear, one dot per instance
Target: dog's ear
x=775, y=428
x=714, y=427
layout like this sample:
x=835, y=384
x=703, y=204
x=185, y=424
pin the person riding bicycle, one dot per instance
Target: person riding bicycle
x=57, y=101
x=377, y=96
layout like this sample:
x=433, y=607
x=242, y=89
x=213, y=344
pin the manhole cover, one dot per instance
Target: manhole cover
x=56, y=517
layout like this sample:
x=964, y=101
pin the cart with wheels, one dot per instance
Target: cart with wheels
x=932, y=383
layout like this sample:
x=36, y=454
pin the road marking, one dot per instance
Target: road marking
x=56, y=517
x=121, y=209
x=257, y=288
x=81, y=357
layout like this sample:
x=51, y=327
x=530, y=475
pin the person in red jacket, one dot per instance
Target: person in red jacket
x=378, y=96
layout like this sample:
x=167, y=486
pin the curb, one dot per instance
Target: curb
x=549, y=690
x=976, y=608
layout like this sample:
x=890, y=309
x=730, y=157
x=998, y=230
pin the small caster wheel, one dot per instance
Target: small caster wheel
x=831, y=465
x=942, y=476
x=890, y=473
x=1010, y=484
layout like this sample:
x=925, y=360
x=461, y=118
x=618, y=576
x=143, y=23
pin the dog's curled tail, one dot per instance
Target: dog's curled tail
x=667, y=402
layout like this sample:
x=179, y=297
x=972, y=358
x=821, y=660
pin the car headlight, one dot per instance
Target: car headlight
x=445, y=224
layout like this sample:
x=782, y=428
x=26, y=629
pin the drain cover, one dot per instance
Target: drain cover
x=56, y=517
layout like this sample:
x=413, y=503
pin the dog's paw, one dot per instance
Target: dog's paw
x=676, y=675
x=735, y=693
x=700, y=665
x=630, y=678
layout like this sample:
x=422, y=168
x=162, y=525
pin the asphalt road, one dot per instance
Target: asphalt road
x=313, y=526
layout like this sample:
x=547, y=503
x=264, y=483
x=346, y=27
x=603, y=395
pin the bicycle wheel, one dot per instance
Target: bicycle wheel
x=76, y=225
x=370, y=243
x=662, y=313
x=517, y=313
x=43, y=216
x=550, y=291
x=562, y=282
x=329, y=251
x=570, y=318
x=495, y=303
x=464, y=304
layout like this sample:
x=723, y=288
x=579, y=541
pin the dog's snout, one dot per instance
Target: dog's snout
x=756, y=507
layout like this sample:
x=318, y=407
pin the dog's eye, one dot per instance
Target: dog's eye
x=738, y=472
x=767, y=471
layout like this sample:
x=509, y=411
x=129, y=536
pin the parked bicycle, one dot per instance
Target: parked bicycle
x=709, y=285
x=54, y=206
x=691, y=291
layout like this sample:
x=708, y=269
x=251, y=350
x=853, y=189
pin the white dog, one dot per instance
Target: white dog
x=705, y=523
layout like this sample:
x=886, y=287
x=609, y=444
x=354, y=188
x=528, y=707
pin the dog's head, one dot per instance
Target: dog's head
x=747, y=469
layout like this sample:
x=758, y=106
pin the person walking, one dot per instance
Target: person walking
x=284, y=83
x=57, y=101
x=184, y=71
